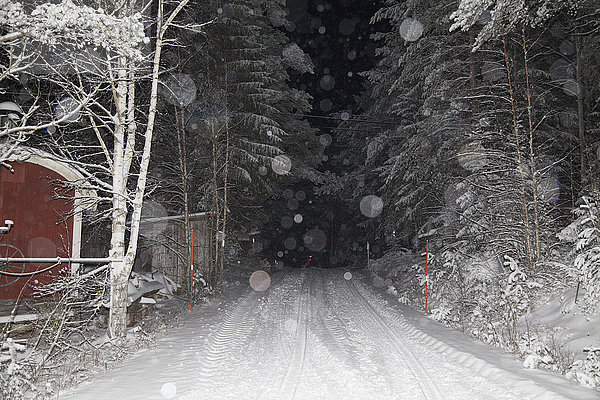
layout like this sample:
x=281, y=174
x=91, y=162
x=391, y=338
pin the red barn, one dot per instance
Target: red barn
x=45, y=225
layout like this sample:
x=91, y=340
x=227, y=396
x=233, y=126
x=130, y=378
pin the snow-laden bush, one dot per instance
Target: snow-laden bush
x=479, y=296
x=446, y=290
x=15, y=382
x=542, y=346
x=538, y=351
x=533, y=360
x=587, y=372
x=463, y=295
x=587, y=247
x=516, y=286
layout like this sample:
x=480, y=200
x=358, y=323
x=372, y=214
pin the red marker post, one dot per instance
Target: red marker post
x=426, y=272
x=192, y=273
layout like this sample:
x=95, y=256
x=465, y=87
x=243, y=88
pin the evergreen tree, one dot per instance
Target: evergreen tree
x=243, y=126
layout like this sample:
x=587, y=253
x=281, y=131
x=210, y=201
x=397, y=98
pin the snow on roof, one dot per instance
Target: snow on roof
x=10, y=106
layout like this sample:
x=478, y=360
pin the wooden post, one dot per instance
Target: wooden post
x=192, y=272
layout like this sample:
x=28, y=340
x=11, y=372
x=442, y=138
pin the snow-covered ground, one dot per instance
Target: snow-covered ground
x=555, y=333
x=320, y=334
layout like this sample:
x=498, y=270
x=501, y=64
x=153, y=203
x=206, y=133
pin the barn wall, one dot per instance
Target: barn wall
x=44, y=225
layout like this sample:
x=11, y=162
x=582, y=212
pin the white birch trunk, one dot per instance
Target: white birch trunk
x=121, y=170
x=119, y=275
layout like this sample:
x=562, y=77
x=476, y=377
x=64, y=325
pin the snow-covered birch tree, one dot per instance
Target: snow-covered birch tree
x=123, y=157
x=99, y=57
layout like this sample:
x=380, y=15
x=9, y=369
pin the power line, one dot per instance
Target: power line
x=348, y=119
x=349, y=128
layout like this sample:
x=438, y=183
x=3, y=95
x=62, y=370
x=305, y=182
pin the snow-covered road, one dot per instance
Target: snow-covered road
x=316, y=335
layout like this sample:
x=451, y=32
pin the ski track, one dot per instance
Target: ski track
x=428, y=388
x=311, y=335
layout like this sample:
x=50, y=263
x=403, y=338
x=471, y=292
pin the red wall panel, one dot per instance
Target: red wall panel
x=43, y=225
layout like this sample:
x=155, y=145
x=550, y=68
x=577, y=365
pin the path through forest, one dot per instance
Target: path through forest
x=314, y=334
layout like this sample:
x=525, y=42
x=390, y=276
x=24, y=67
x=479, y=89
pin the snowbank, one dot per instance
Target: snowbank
x=556, y=336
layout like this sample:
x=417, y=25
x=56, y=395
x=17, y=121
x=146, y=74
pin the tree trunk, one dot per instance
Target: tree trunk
x=118, y=289
x=580, y=113
x=536, y=219
x=519, y=158
x=217, y=208
x=225, y=178
x=119, y=281
x=473, y=70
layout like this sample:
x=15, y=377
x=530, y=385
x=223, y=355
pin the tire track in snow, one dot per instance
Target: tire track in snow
x=358, y=335
x=289, y=383
x=427, y=385
x=230, y=335
x=342, y=357
x=333, y=327
x=285, y=291
x=226, y=348
x=336, y=347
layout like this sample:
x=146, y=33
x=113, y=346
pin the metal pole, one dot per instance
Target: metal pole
x=58, y=260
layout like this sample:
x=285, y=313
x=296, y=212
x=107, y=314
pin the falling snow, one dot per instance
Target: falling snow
x=338, y=142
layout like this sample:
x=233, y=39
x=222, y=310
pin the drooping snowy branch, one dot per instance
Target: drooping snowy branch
x=468, y=13
x=503, y=16
x=53, y=24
